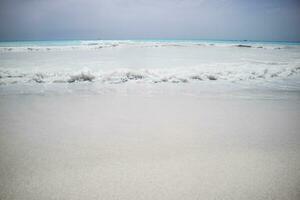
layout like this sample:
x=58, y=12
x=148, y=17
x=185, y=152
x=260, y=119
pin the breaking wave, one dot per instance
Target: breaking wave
x=146, y=75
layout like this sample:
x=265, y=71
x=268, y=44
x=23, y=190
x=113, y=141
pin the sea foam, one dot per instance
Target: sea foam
x=147, y=75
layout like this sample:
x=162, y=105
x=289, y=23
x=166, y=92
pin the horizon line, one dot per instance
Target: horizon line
x=149, y=39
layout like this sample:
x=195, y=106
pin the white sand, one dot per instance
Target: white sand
x=163, y=146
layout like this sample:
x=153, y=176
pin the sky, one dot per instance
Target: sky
x=277, y=20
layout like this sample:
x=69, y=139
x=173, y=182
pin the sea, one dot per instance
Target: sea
x=91, y=65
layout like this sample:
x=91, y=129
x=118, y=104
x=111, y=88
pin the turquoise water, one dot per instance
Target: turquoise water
x=86, y=42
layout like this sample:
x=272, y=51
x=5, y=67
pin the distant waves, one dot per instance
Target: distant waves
x=101, y=45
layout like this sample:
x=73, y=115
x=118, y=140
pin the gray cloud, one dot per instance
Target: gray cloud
x=141, y=19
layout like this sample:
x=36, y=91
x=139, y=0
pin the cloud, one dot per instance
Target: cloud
x=129, y=19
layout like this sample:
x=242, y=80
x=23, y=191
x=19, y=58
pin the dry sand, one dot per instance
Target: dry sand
x=163, y=146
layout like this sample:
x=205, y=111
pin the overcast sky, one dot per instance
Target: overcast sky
x=150, y=19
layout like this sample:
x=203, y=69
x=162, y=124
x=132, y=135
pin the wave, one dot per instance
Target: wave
x=81, y=77
x=243, y=46
x=146, y=76
x=98, y=45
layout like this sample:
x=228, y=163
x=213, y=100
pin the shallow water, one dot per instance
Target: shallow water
x=115, y=62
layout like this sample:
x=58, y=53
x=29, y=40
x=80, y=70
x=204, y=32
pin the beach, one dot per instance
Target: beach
x=150, y=120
